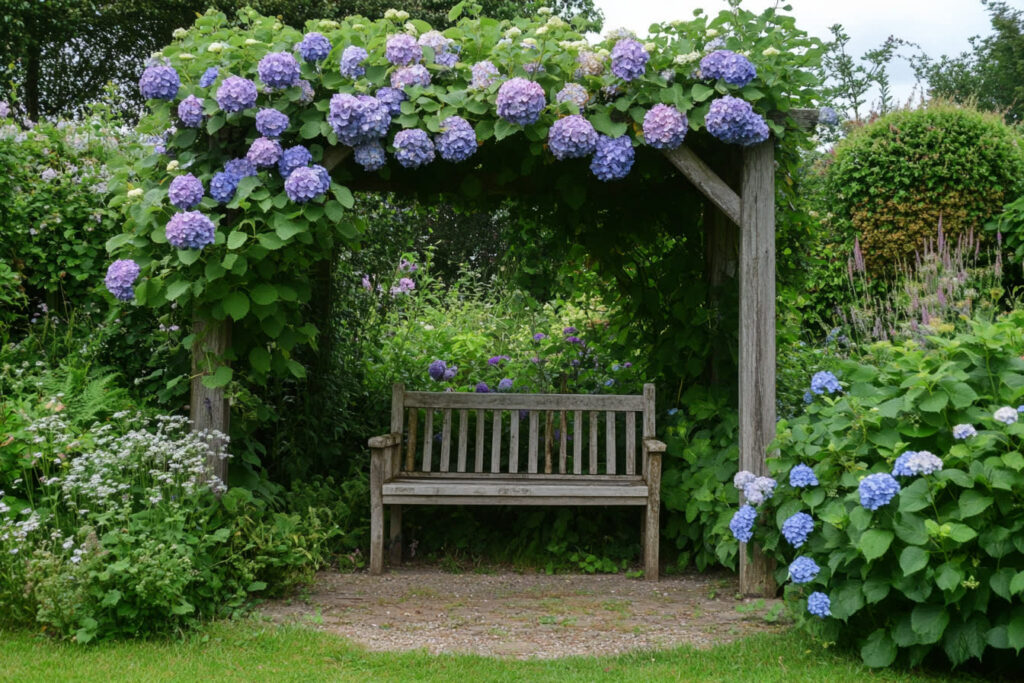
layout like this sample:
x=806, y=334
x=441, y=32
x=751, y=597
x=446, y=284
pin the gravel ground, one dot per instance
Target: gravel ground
x=525, y=615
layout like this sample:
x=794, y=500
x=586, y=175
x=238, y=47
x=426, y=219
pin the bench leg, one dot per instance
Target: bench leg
x=651, y=519
x=396, y=535
x=376, y=513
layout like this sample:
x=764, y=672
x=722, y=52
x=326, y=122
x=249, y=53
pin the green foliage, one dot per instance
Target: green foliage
x=896, y=179
x=938, y=569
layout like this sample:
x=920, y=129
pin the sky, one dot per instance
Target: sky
x=938, y=26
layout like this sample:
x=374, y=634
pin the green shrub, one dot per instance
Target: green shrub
x=940, y=568
x=893, y=180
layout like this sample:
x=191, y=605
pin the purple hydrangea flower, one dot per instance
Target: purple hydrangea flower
x=392, y=99
x=825, y=382
x=240, y=168
x=629, y=59
x=159, y=83
x=404, y=286
x=405, y=76
x=797, y=528
x=450, y=373
x=358, y=120
x=293, y=158
x=573, y=340
x=1006, y=415
x=208, y=77
x=665, y=127
x=575, y=93
x=264, y=152
x=732, y=68
x=190, y=111
x=533, y=67
x=370, y=156
x=759, y=490
x=324, y=177
x=402, y=49
x=803, y=570
x=236, y=93
x=5, y=110
x=223, y=186
x=190, y=230
x=352, y=62
x=436, y=370
x=484, y=74
x=271, y=123
x=913, y=463
x=590, y=63
x=964, y=431
x=540, y=336
x=302, y=185
x=742, y=523
x=505, y=384
x=307, y=92
x=413, y=148
x=407, y=266
x=572, y=137
x=446, y=59
x=819, y=604
x=120, y=279
x=827, y=116
x=482, y=388
x=613, y=158
x=801, y=475
x=185, y=191
x=734, y=121
x=278, y=70
x=877, y=490
x=314, y=47
x=569, y=330
x=457, y=140
x=521, y=101
x=496, y=360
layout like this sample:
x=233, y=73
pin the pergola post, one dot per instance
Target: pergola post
x=208, y=408
x=757, y=338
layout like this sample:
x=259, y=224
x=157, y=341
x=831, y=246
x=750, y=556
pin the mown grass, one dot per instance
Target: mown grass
x=252, y=650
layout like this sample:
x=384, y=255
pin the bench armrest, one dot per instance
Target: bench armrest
x=385, y=441
x=654, y=446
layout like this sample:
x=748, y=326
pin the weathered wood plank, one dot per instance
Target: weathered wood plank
x=377, y=510
x=463, y=438
x=757, y=336
x=630, y=443
x=395, y=535
x=428, y=440
x=410, y=454
x=513, y=443
x=609, y=447
x=651, y=517
x=531, y=446
x=648, y=423
x=706, y=180
x=487, y=476
x=209, y=408
x=577, y=442
x=548, y=428
x=496, y=442
x=563, y=437
x=478, y=463
x=593, y=442
x=515, y=500
x=496, y=401
x=397, y=424
x=524, y=487
x=446, y=439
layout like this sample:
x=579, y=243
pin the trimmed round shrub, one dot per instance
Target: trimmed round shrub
x=892, y=180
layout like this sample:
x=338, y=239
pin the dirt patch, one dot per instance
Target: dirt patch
x=527, y=615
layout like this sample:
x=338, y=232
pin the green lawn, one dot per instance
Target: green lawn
x=251, y=650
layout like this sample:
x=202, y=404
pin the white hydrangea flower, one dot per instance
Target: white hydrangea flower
x=544, y=11
x=215, y=47
x=688, y=58
x=179, y=33
x=711, y=32
x=410, y=29
x=391, y=14
x=401, y=15
x=328, y=24
x=358, y=27
x=134, y=192
x=251, y=41
x=529, y=42
x=172, y=165
x=650, y=47
x=541, y=30
x=186, y=56
x=1006, y=415
x=513, y=32
x=771, y=51
x=557, y=22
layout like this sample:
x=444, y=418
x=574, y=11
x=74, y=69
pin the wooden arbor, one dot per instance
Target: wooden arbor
x=747, y=206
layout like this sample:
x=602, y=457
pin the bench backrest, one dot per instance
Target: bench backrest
x=501, y=434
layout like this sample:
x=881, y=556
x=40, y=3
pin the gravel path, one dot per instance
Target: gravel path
x=525, y=615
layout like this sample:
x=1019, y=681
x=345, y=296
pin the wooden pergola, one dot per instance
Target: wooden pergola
x=742, y=201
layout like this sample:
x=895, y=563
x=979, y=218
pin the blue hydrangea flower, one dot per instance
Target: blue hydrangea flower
x=402, y=49
x=190, y=111
x=392, y=99
x=293, y=158
x=913, y=463
x=314, y=47
x=575, y=93
x=629, y=59
x=236, y=93
x=446, y=59
x=413, y=148
x=759, y=490
x=405, y=76
x=613, y=158
x=352, y=59
x=436, y=370
x=825, y=382
x=819, y=604
x=278, y=70
x=223, y=186
x=457, y=140
x=240, y=168
x=572, y=137
x=877, y=490
x=159, y=83
x=808, y=397
x=307, y=92
x=264, y=152
x=370, y=156
x=521, y=101
x=665, y=127
x=120, y=279
x=190, y=230
x=324, y=177
x=185, y=191
x=505, y=384
x=358, y=120
x=964, y=431
x=302, y=185
x=803, y=569
x=801, y=475
x=1006, y=415
x=827, y=116
x=742, y=523
x=730, y=67
x=208, y=77
x=483, y=75
x=482, y=388
x=797, y=528
x=271, y=123
x=734, y=121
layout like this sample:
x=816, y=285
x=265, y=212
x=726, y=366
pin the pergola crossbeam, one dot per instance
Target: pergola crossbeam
x=706, y=180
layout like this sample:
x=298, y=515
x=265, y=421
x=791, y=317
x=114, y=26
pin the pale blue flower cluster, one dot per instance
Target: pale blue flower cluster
x=445, y=52
x=314, y=47
x=827, y=116
x=755, y=489
x=803, y=569
x=825, y=382
x=797, y=528
x=483, y=74
x=742, y=523
x=352, y=58
x=370, y=156
x=236, y=93
x=402, y=49
x=190, y=111
x=120, y=279
x=223, y=186
x=240, y=168
x=457, y=140
x=665, y=127
x=877, y=490
x=575, y=93
x=629, y=59
x=278, y=70
x=413, y=148
x=208, y=77
x=613, y=158
x=159, y=83
x=521, y=101
x=1006, y=415
x=572, y=137
x=819, y=604
x=271, y=123
x=734, y=121
x=185, y=191
x=190, y=230
x=505, y=384
x=964, y=431
x=264, y=152
x=415, y=74
x=293, y=158
x=732, y=68
x=801, y=475
x=303, y=184
x=914, y=463
x=392, y=99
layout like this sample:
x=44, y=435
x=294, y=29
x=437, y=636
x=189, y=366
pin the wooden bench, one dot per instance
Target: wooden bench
x=562, y=463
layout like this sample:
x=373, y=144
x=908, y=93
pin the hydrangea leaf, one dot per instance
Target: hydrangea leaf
x=236, y=238
x=913, y=559
x=176, y=289
x=264, y=294
x=874, y=543
x=879, y=650
x=236, y=304
x=973, y=503
x=259, y=359
x=219, y=378
x=1017, y=584
x=701, y=92
x=1015, y=631
x=929, y=622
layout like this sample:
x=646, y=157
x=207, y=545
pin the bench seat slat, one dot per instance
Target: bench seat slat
x=498, y=489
